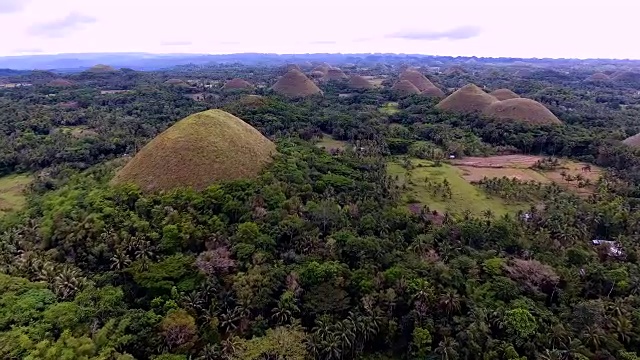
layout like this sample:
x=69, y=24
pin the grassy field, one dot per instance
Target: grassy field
x=12, y=192
x=520, y=167
x=328, y=143
x=389, y=108
x=464, y=195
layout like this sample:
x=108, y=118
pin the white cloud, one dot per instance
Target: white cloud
x=542, y=28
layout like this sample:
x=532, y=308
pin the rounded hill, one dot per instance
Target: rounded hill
x=101, y=68
x=237, y=84
x=295, y=84
x=358, y=82
x=334, y=74
x=467, y=99
x=416, y=78
x=433, y=92
x=405, y=88
x=290, y=67
x=599, y=77
x=521, y=109
x=633, y=141
x=504, y=94
x=198, y=151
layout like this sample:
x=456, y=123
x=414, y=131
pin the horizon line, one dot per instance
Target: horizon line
x=307, y=54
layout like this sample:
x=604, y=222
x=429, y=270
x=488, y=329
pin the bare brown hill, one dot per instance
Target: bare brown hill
x=237, y=84
x=405, y=88
x=290, y=67
x=626, y=77
x=455, y=70
x=198, y=151
x=334, y=74
x=416, y=78
x=633, y=141
x=467, y=99
x=521, y=109
x=60, y=83
x=295, y=84
x=597, y=77
x=323, y=68
x=433, y=92
x=358, y=82
x=504, y=94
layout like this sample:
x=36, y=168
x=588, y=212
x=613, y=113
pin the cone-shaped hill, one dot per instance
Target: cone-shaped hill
x=504, y=94
x=323, y=68
x=467, y=99
x=358, y=82
x=290, y=67
x=295, y=84
x=433, y=92
x=633, y=141
x=334, y=74
x=101, y=68
x=455, y=70
x=626, y=77
x=405, y=88
x=597, y=77
x=236, y=85
x=521, y=109
x=59, y=83
x=198, y=151
x=416, y=78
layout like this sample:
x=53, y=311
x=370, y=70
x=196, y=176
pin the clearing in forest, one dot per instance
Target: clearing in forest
x=424, y=185
x=566, y=173
x=389, y=108
x=12, y=192
x=329, y=143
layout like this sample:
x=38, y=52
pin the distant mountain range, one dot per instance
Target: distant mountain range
x=149, y=62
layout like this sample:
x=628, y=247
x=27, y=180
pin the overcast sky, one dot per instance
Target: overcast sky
x=524, y=28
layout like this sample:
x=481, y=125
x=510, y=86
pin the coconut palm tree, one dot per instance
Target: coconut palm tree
x=447, y=349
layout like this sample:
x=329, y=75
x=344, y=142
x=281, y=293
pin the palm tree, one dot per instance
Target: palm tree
x=446, y=349
x=67, y=282
x=551, y=355
x=120, y=260
x=450, y=303
x=331, y=347
x=624, y=328
x=593, y=337
x=558, y=337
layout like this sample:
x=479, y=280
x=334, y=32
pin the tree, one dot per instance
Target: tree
x=179, y=330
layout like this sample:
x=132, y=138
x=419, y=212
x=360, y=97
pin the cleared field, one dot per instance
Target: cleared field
x=389, y=108
x=329, y=143
x=464, y=196
x=520, y=167
x=12, y=192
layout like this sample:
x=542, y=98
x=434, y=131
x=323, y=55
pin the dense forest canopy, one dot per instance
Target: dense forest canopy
x=384, y=228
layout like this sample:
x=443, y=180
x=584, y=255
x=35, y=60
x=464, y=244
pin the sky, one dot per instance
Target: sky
x=489, y=28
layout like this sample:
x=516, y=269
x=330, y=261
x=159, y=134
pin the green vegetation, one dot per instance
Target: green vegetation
x=389, y=108
x=12, y=192
x=317, y=254
x=417, y=187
